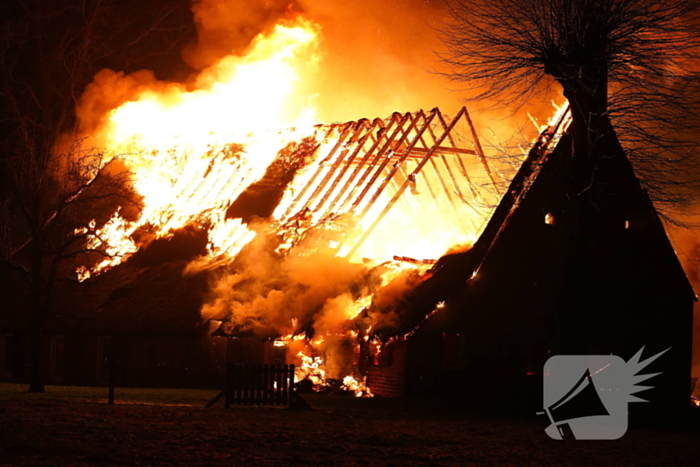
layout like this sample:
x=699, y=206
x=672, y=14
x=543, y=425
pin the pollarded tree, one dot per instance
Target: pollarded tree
x=632, y=63
x=629, y=70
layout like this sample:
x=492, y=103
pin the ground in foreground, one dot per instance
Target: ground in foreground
x=75, y=426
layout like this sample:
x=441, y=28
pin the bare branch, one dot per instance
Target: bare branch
x=635, y=63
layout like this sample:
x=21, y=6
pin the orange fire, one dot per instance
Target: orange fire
x=312, y=369
x=192, y=149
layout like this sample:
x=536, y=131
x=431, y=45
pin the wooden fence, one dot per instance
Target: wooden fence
x=248, y=384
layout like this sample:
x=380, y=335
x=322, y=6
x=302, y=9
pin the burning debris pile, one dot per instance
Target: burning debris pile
x=313, y=232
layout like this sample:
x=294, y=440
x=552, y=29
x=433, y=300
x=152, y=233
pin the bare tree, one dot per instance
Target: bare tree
x=55, y=206
x=630, y=63
x=51, y=186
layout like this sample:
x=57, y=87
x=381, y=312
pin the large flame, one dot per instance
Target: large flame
x=193, y=149
x=190, y=151
x=234, y=100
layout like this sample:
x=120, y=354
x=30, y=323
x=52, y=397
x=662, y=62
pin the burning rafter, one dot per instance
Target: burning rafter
x=341, y=182
x=288, y=208
x=194, y=162
x=371, y=165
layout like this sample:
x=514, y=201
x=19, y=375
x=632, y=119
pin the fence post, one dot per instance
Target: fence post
x=290, y=390
x=112, y=364
x=228, y=386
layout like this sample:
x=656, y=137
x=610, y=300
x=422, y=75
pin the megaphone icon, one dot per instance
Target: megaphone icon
x=582, y=400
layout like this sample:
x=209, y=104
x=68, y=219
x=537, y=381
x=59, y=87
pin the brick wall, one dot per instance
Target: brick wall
x=388, y=380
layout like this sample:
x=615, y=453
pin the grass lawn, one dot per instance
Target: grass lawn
x=187, y=397
x=170, y=427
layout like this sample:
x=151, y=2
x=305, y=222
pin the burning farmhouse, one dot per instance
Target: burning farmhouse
x=391, y=255
x=285, y=285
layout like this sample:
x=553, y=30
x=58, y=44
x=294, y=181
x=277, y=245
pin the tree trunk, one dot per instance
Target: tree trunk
x=591, y=127
x=36, y=380
x=36, y=319
x=588, y=100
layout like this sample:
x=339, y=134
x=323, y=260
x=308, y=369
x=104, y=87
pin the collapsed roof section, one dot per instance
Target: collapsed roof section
x=349, y=187
x=417, y=163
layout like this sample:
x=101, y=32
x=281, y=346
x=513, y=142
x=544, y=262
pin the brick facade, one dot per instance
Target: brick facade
x=387, y=379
